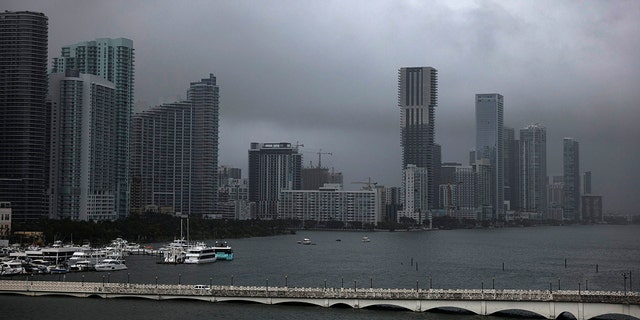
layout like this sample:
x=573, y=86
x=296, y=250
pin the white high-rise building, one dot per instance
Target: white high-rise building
x=533, y=169
x=414, y=194
x=83, y=175
x=113, y=60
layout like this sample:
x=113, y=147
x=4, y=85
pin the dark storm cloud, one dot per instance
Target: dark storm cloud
x=324, y=73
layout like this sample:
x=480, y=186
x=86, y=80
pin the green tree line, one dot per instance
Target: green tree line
x=145, y=228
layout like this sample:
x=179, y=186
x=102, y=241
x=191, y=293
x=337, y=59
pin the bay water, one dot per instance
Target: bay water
x=591, y=257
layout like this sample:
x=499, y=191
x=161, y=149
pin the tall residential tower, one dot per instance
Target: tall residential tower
x=533, y=169
x=272, y=167
x=23, y=113
x=418, y=100
x=174, y=149
x=571, y=181
x=83, y=182
x=111, y=59
x=489, y=145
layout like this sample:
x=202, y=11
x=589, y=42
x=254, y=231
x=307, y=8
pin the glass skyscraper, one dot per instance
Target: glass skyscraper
x=417, y=100
x=24, y=117
x=571, y=180
x=490, y=146
x=113, y=60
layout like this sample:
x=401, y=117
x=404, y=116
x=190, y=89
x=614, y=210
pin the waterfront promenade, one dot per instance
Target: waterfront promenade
x=550, y=304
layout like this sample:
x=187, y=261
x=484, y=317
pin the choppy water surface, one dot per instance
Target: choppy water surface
x=514, y=258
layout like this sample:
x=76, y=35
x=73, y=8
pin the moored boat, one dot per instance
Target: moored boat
x=200, y=253
x=11, y=268
x=223, y=251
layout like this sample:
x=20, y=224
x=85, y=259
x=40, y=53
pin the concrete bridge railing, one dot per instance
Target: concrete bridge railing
x=324, y=293
x=583, y=304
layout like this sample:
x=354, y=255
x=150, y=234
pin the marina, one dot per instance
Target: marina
x=61, y=259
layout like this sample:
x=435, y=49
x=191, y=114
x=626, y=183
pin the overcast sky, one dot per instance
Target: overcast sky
x=324, y=73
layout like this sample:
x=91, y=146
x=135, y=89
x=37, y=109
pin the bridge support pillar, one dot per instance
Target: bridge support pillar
x=552, y=310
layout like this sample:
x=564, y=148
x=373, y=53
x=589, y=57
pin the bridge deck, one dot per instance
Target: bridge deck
x=583, y=304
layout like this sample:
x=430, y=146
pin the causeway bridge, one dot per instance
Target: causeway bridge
x=549, y=304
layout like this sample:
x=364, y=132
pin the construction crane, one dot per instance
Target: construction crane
x=369, y=184
x=320, y=153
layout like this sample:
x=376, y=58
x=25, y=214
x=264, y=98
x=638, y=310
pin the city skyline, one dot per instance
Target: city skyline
x=331, y=83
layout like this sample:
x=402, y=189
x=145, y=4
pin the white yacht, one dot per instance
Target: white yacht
x=86, y=258
x=175, y=252
x=111, y=265
x=200, y=253
x=366, y=239
x=11, y=268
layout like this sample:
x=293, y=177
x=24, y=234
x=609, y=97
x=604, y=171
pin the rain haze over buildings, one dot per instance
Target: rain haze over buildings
x=324, y=74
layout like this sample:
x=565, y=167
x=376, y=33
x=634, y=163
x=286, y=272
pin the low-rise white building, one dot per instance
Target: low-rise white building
x=330, y=203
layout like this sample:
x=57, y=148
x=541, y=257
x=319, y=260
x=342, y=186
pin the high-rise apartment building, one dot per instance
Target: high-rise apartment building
x=174, y=150
x=82, y=175
x=489, y=145
x=417, y=100
x=586, y=183
x=113, y=60
x=511, y=168
x=533, y=169
x=592, y=208
x=272, y=167
x=24, y=116
x=414, y=194
x=571, y=173
x=466, y=186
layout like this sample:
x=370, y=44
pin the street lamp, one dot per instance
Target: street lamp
x=355, y=285
x=578, y=288
x=558, y=284
x=286, y=282
x=179, y=278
